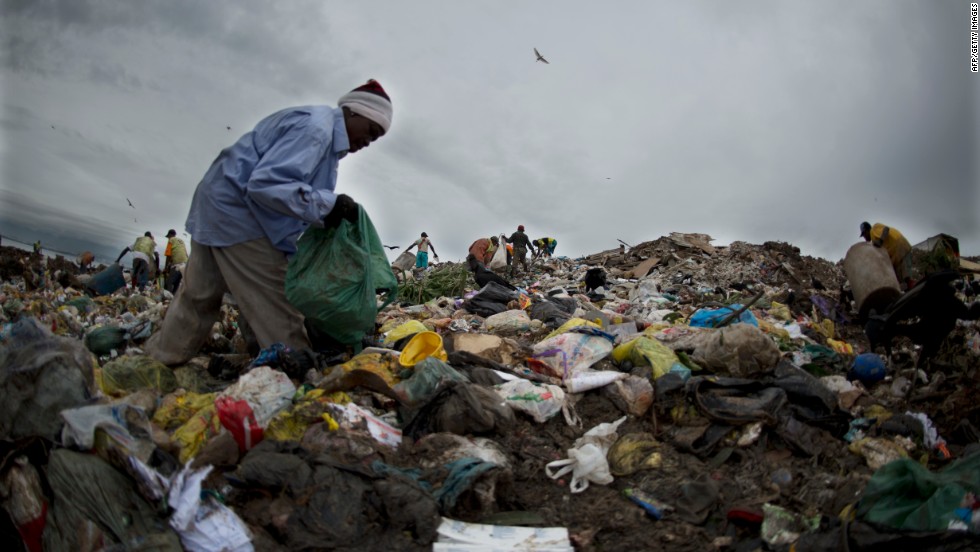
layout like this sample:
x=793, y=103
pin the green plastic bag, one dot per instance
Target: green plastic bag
x=335, y=275
x=904, y=495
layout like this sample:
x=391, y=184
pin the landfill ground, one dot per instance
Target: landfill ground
x=749, y=436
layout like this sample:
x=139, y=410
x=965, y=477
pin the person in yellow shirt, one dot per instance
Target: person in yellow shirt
x=895, y=244
x=175, y=259
x=145, y=260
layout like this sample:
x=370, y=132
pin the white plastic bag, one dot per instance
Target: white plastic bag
x=508, y=322
x=204, y=525
x=499, y=259
x=539, y=400
x=587, y=459
x=571, y=352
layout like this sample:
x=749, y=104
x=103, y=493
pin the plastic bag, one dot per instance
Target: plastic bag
x=540, y=401
x=709, y=318
x=130, y=373
x=246, y=407
x=499, y=259
x=646, y=350
x=335, y=276
x=427, y=378
x=906, y=496
x=107, y=281
x=508, y=322
x=587, y=459
x=404, y=330
x=41, y=375
x=571, y=352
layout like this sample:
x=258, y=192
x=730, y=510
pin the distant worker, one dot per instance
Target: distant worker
x=251, y=206
x=521, y=245
x=546, y=246
x=422, y=256
x=484, y=248
x=85, y=260
x=174, y=261
x=898, y=248
x=143, y=250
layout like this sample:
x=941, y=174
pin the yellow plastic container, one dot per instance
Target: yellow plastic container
x=423, y=345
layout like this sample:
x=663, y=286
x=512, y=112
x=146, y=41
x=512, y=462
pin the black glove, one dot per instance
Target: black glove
x=344, y=208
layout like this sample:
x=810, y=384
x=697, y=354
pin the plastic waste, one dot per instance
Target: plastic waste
x=106, y=282
x=587, y=458
x=582, y=381
x=23, y=499
x=460, y=535
x=632, y=395
x=130, y=373
x=655, y=508
x=508, y=322
x=423, y=345
x=645, y=350
x=634, y=452
x=429, y=375
x=905, y=495
x=203, y=523
x=868, y=368
x=571, y=352
x=741, y=350
x=334, y=278
x=404, y=330
x=246, y=407
x=781, y=526
x=710, y=318
x=540, y=401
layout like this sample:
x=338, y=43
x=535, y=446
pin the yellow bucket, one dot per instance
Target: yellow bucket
x=423, y=345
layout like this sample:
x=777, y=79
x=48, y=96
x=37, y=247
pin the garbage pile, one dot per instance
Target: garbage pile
x=675, y=395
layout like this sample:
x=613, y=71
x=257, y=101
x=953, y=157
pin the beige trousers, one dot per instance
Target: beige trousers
x=254, y=272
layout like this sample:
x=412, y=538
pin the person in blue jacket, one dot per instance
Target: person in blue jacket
x=250, y=208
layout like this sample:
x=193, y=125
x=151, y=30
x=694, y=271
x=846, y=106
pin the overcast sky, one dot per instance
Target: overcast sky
x=753, y=120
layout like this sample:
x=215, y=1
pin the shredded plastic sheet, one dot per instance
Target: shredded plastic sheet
x=475, y=537
x=204, y=525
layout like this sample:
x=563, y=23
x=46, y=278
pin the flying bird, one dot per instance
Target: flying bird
x=540, y=57
x=130, y=203
x=228, y=127
x=392, y=247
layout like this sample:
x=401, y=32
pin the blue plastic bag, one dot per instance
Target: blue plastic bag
x=335, y=276
x=709, y=318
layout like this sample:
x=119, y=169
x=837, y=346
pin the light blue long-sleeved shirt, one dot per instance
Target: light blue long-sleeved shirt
x=275, y=181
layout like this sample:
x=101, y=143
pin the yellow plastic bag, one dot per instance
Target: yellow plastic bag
x=201, y=427
x=423, y=345
x=646, y=350
x=572, y=323
x=634, y=452
x=178, y=407
x=825, y=327
x=126, y=374
x=780, y=311
x=291, y=424
x=404, y=330
x=376, y=363
x=841, y=347
x=774, y=330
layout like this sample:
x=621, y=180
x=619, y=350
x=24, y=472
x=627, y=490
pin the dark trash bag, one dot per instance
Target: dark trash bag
x=334, y=278
x=107, y=281
x=491, y=299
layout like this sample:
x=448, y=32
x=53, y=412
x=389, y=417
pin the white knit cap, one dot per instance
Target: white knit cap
x=371, y=101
